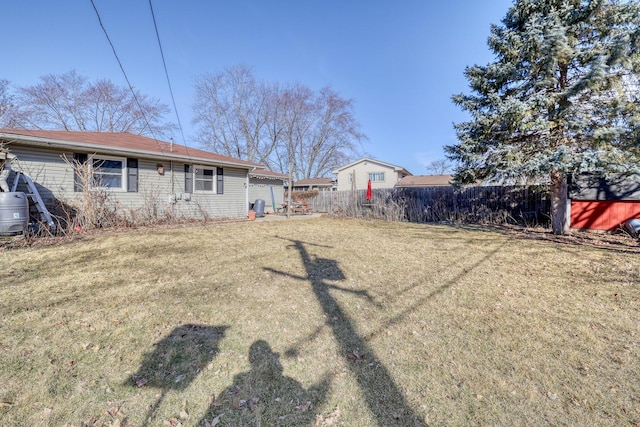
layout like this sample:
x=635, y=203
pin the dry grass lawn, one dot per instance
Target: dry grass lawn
x=319, y=322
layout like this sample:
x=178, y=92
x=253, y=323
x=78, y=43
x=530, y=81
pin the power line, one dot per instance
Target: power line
x=135, y=97
x=166, y=73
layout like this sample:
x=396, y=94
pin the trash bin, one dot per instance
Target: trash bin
x=258, y=206
x=632, y=227
x=14, y=213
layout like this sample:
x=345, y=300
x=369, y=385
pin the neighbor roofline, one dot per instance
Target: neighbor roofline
x=368, y=159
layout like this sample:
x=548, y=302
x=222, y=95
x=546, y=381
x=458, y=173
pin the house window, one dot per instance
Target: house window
x=203, y=178
x=376, y=176
x=104, y=172
x=109, y=172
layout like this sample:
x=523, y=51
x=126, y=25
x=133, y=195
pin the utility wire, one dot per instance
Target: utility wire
x=135, y=97
x=166, y=73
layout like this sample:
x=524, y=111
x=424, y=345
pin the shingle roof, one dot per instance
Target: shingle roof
x=425, y=181
x=266, y=173
x=314, y=181
x=121, y=142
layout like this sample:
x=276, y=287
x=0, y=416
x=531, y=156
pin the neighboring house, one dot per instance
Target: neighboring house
x=137, y=173
x=425, y=181
x=598, y=203
x=268, y=186
x=320, y=184
x=356, y=175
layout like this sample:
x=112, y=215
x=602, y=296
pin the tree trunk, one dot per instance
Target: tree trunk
x=560, y=221
x=290, y=188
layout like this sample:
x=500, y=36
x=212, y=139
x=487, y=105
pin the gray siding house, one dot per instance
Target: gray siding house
x=136, y=172
x=268, y=186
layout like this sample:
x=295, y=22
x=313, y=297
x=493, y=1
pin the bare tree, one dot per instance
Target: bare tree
x=439, y=167
x=332, y=137
x=69, y=101
x=275, y=128
x=296, y=104
x=7, y=106
x=231, y=113
x=288, y=128
x=114, y=109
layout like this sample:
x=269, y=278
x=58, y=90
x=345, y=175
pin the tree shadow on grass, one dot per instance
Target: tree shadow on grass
x=176, y=360
x=383, y=397
x=615, y=241
x=263, y=396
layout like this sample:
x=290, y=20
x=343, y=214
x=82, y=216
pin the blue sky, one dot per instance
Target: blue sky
x=400, y=61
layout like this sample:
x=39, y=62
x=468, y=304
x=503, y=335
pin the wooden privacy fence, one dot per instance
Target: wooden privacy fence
x=495, y=204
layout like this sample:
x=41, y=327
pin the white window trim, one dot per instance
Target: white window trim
x=214, y=187
x=125, y=174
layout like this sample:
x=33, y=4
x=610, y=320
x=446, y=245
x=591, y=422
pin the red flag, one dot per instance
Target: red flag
x=369, y=192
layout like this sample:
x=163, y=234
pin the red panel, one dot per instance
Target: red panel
x=602, y=215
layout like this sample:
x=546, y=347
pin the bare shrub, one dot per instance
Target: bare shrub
x=94, y=207
x=299, y=195
x=483, y=205
x=153, y=209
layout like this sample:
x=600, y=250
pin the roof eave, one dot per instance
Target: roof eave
x=58, y=143
x=258, y=175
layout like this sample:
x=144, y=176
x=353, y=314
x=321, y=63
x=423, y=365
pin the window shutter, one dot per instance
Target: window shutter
x=79, y=161
x=188, y=179
x=132, y=175
x=220, y=181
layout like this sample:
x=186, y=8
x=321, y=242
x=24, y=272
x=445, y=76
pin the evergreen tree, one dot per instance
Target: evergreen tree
x=562, y=97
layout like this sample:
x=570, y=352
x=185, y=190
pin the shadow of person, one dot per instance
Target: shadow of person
x=263, y=396
x=177, y=359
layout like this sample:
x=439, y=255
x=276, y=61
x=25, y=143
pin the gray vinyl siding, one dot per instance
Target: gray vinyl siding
x=155, y=196
x=231, y=204
x=48, y=170
x=260, y=188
